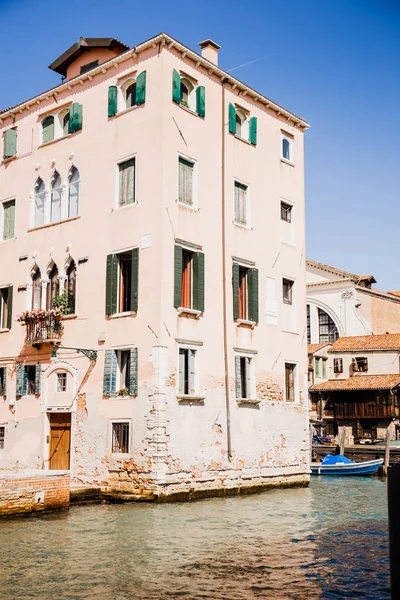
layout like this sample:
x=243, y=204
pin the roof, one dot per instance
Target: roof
x=339, y=272
x=163, y=39
x=395, y=293
x=358, y=382
x=385, y=341
x=312, y=348
x=61, y=64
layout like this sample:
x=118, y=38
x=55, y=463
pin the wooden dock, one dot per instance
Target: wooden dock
x=359, y=452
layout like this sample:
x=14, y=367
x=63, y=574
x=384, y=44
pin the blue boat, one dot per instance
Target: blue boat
x=341, y=465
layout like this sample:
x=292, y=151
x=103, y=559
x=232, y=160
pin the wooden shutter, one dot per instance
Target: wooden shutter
x=253, y=130
x=141, y=88
x=48, y=130
x=3, y=388
x=185, y=183
x=112, y=100
x=135, y=279
x=38, y=378
x=112, y=284
x=9, y=220
x=238, y=378
x=10, y=143
x=22, y=377
x=248, y=377
x=75, y=118
x=198, y=281
x=235, y=283
x=178, y=276
x=110, y=372
x=232, y=119
x=201, y=101
x=182, y=355
x=9, y=306
x=133, y=372
x=252, y=292
x=192, y=371
x=176, y=87
x=316, y=367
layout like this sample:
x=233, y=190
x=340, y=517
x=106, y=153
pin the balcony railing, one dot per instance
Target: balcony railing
x=363, y=410
x=49, y=329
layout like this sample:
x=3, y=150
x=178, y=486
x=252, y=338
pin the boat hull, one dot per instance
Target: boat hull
x=364, y=468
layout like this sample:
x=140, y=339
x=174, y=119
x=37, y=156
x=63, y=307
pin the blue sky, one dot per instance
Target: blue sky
x=334, y=62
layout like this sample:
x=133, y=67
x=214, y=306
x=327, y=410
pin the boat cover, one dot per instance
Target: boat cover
x=331, y=459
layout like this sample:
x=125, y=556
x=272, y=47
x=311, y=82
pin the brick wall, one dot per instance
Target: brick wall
x=32, y=492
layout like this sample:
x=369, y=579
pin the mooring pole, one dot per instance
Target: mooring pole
x=393, y=484
x=387, y=452
x=341, y=440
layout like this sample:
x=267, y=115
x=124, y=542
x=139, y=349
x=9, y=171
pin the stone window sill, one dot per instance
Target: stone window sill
x=190, y=398
x=189, y=311
x=3, y=241
x=189, y=110
x=4, y=330
x=5, y=161
x=252, y=401
x=63, y=137
x=124, y=206
x=242, y=139
x=128, y=313
x=69, y=317
x=125, y=111
x=292, y=331
x=187, y=205
x=287, y=162
x=246, y=323
x=242, y=226
x=46, y=225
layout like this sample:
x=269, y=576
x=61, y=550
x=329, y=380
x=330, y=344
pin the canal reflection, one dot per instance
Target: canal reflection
x=328, y=541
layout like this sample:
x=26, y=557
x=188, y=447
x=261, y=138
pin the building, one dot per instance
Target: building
x=159, y=202
x=361, y=391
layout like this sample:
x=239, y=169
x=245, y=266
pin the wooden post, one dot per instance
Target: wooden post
x=387, y=453
x=341, y=440
x=394, y=528
x=311, y=432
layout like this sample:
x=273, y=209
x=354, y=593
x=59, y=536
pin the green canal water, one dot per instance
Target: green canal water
x=329, y=541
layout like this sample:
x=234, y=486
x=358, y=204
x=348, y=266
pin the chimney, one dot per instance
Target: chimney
x=209, y=50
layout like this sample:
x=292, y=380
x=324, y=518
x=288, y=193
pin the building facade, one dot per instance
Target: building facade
x=153, y=276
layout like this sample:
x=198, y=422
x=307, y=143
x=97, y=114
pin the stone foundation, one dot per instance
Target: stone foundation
x=33, y=491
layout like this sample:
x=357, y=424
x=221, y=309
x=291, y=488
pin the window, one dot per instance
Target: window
x=2, y=436
x=10, y=143
x=28, y=379
x=316, y=363
x=120, y=438
x=287, y=148
x=89, y=66
x=47, y=129
x=73, y=193
x=308, y=325
x=187, y=371
x=327, y=329
x=360, y=364
x=125, y=282
x=30, y=371
x=324, y=367
x=65, y=124
x=61, y=382
x=124, y=364
x=244, y=377
x=338, y=365
x=186, y=181
x=287, y=291
x=187, y=93
x=4, y=308
x=36, y=289
x=290, y=371
x=122, y=282
x=121, y=372
x=126, y=194
x=188, y=279
x=381, y=398
x=241, y=125
x=55, y=204
x=8, y=219
x=286, y=212
x=241, y=204
x=53, y=286
x=71, y=288
x=40, y=194
x=130, y=95
x=3, y=381
x=245, y=293
x=130, y=92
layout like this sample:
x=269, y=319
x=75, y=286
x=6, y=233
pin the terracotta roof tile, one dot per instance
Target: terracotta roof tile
x=312, y=348
x=386, y=341
x=359, y=382
x=395, y=293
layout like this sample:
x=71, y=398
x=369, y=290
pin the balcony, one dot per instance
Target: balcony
x=364, y=410
x=46, y=327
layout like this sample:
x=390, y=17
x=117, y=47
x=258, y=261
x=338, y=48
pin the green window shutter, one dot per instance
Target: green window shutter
x=10, y=143
x=112, y=100
x=182, y=355
x=238, y=379
x=317, y=367
x=192, y=371
x=111, y=284
x=235, y=283
x=9, y=220
x=48, y=130
x=3, y=387
x=252, y=283
x=253, y=131
x=22, y=377
x=133, y=372
x=176, y=87
x=75, y=118
x=198, y=281
x=110, y=372
x=9, y=306
x=135, y=279
x=201, y=101
x=178, y=276
x=232, y=119
x=141, y=88
x=38, y=378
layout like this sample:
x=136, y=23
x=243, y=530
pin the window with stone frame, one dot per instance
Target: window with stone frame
x=287, y=291
x=7, y=218
x=290, y=382
x=241, y=204
x=120, y=442
x=186, y=170
x=328, y=331
x=188, y=377
x=126, y=179
x=244, y=375
x=2, y=436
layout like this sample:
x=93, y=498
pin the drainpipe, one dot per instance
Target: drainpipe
x=224, y=317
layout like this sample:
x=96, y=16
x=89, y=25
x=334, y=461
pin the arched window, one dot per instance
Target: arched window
x=328, y=331
x=242, y=126
x=71, y=287
x=130, y=95
x=48, y=129
x=65, y=124
x=286, y=149
x=40, y=193
x=53, y=287
x=187, y=95
x=73, y=192
x=55, y=208
x=36, y=289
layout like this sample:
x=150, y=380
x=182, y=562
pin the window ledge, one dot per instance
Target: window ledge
x=69, y=317
x=128, y=313
x=4, y=330
x=189, y=311
x=46, y=225
x=186, y=205
x=294, y=332
x=242, y=139
x=242, y=225
x=252, y=401
x=5, y=161
x=7, y=240
x=124, y=111
x=124, y=206
x=190, y=398
x=189, y=110
x=63, y=137
x=246, y=323
x=287, y=162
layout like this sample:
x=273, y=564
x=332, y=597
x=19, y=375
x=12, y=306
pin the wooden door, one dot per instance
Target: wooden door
x=60, y=441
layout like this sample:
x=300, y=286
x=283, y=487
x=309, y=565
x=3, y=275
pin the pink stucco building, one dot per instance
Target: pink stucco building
x=161, y=202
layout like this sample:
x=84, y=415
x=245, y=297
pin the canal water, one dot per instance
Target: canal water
x=328, y=541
